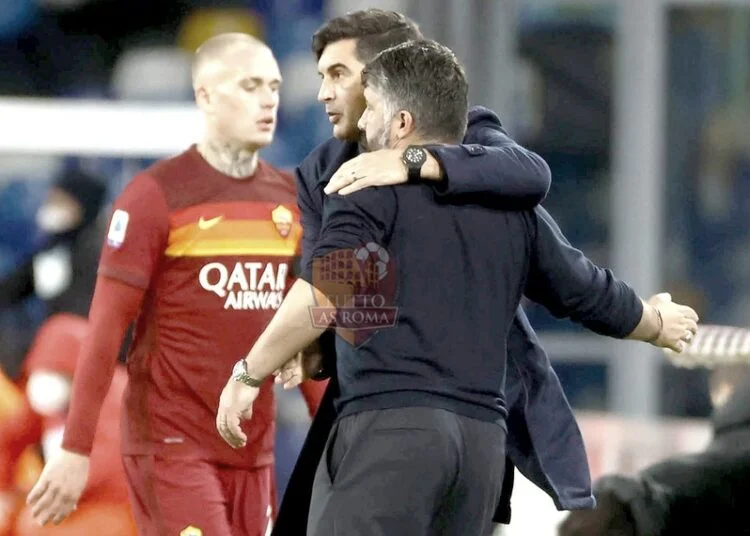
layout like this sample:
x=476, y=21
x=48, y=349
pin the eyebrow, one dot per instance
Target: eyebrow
x=334, y=67
x=259, y=80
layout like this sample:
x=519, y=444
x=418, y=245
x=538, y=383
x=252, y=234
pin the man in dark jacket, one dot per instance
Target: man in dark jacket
x=62, y=271
x=488, y=165
x=703, y=493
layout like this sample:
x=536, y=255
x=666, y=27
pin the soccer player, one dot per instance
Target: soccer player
x=419, y=444
x=199, y=254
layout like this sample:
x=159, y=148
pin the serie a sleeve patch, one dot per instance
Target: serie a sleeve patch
x=118, y=228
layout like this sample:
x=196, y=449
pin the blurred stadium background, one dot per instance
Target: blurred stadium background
x=640, y=107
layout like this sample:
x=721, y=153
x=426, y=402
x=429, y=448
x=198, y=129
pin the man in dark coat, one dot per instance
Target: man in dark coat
x=702, y=493
x=544, y=441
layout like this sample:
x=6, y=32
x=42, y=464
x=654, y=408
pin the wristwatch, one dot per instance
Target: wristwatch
x=414, y=158
x=239, y=374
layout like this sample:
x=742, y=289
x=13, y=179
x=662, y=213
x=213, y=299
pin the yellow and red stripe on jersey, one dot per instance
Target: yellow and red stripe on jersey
x=234, y=228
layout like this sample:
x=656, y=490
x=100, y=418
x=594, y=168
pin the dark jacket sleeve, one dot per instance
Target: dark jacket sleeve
x=310, y=216
x=491, y=163
x=566, y=282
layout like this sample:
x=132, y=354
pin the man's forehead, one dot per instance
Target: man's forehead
x=245, y=54
x=342, y=52
x=259, y=67
x=246, y=65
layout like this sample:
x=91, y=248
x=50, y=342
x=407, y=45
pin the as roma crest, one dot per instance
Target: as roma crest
x=283, y=219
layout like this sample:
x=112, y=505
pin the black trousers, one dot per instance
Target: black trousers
x=408, y=471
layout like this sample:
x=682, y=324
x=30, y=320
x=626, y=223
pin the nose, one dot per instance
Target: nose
x=325, y=93
x=270, y=98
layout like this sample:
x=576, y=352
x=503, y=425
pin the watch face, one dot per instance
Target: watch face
x=238, y=369
x=415, y=156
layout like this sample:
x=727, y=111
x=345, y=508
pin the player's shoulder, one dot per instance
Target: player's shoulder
x=142, y=189
x=171, y=169
x=275, y=172
x=281, y=179
x=155, y=182
x=164, y=171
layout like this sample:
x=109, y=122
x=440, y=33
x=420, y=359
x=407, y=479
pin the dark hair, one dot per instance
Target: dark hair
x=424, y=78
x=374, y=29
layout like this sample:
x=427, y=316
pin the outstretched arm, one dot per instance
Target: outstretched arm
x=567, y=283
x=488, y=163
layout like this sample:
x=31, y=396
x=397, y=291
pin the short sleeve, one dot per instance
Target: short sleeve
x=351, y=221
x=137, y=234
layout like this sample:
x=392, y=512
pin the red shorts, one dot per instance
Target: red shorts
x=177, y=497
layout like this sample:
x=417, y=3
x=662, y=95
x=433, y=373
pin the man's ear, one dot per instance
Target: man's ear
x=203, y=98
x=404, y=124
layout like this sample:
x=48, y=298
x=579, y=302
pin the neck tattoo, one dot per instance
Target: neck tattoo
x=237, y=162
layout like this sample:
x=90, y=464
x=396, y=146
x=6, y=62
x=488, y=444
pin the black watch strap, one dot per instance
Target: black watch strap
x=414, y=176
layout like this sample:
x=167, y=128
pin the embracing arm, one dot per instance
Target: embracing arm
x=490, y=163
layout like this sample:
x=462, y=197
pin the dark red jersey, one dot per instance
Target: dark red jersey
x=214, y=255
